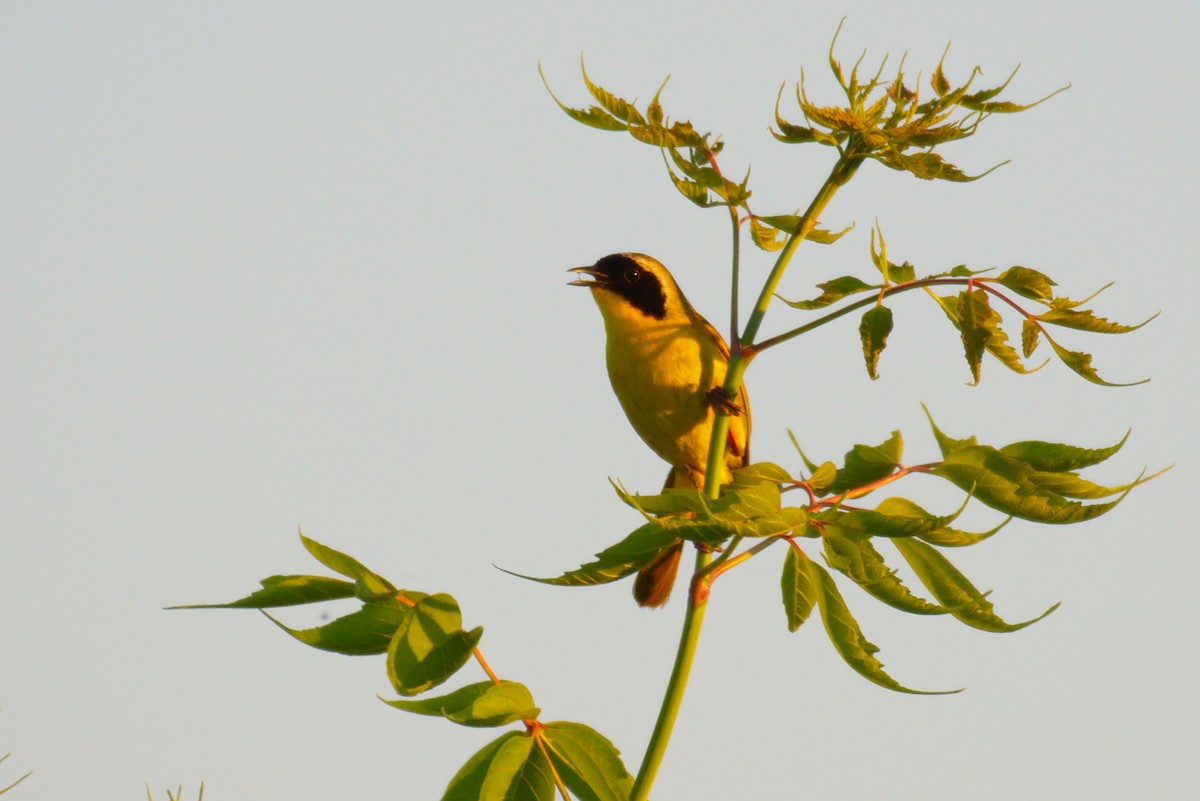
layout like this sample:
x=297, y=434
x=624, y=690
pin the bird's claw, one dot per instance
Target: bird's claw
x=720, y=399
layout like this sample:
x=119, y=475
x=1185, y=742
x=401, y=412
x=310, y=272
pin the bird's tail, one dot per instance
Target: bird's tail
x=654, y=582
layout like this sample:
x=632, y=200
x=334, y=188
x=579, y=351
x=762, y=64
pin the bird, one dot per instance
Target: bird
x=667, y=367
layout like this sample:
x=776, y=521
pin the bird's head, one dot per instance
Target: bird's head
x=634, y=288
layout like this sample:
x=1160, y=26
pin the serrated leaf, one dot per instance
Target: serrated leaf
x=865, y=464
x=1084, y=320
x=1027, y=283
x=594, y=117
x=680, y=134
x=1071, y=485
x=429, y=646
x=286, y=591
x=587, y=762
x=1009, y=486
x=926, y=165
x=1066, y=303
x=765, y=237
x=894, y=517
x=979, y=326
x=615, y=562
x=832, y=291
x=693, y=191
x=484, y=704
x=858, y=560
x=1029, y=337
x=973, y=309
x=873, y=331
x=946, y=443
x=1055, y=456
x=1081, y=364
x=956, y=538
x=953, y=590
x=790, y=223
x=796, y=586
x=367, y=631
x=510, y=768
x=668, y=502
x=619, y=108
x=847, y=637
x=957, y=271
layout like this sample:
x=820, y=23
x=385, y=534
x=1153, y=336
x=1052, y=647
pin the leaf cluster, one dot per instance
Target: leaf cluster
x=1032, y=480
x=887, y=120
x=972, y=310
x=425, y=644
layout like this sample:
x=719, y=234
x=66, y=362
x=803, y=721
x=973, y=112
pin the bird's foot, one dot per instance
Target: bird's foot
x=721, y=400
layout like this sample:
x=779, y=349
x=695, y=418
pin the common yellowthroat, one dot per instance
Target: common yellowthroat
x=667, y=365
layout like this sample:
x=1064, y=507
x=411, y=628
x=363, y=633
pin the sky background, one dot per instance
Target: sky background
x=302, y=264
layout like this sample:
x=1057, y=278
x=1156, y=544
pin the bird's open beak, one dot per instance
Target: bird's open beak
x=599, y=277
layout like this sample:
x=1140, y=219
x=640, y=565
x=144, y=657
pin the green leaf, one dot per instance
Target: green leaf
x=894, y=517
x=693, y=191
x=1029, y=337
x=958, y=271
x=865, y=464
x=336, y=561
x=822, y=478
x=790, y=223
x=873, y=331
x=946, y=443
x=286, y=591
x=484, y=704
x=621, y=109
x=796, y=584
x=1081, y=364
x=902, y=273
x=765, y=237
x=847, y=637
x=589, y=765
x=594, y=117
x=974, y=311
x=926, y=165
x=953, y=589
x=668, y=502
x=615, y=562
x=831, y=292
x=858, y=560
x=510, y=768
x=956, y=538
x=366, y=631
x=1055, y=456
x=979, y=325
x=1012, y=487
x=1084, y=320
x=761, y=472
x=429, y=646
x=1027, y=283
x=1071, y=485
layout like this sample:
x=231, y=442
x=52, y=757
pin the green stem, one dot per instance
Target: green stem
x=689, y=638
x=693, y=619
x=895, y=289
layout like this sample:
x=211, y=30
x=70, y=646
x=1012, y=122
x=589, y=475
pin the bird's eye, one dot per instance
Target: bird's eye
x=632, y=275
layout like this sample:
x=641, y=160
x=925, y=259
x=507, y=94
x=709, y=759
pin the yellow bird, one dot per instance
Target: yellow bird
x=667, y=365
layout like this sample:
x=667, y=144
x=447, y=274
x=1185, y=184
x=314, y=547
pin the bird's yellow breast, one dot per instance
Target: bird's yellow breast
x=662, y=373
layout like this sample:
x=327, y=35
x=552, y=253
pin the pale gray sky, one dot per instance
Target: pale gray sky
x=277, y=264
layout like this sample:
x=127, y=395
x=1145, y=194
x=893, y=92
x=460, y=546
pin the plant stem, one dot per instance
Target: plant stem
x=693, y=620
